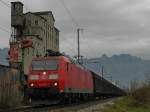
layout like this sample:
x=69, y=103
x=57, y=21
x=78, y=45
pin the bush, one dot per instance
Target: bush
x=141, y=95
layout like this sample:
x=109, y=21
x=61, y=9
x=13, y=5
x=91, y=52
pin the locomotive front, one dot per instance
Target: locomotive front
x=43, y=80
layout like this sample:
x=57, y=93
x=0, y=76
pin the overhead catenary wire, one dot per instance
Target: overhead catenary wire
x=73, y=19
x=4, y=3
x=76, y=25
x=69, y=13
x=2, y=29
x=27, y=9
x=88, y=45
x=68, y=46
x=7, y=5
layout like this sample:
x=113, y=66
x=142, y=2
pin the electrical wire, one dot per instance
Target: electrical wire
x=69, y=13
x=6, y=4
x=2, y=29
x=74, y=20
x=83, y=38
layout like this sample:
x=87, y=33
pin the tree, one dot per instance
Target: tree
x=147, y=80
x=134, y=85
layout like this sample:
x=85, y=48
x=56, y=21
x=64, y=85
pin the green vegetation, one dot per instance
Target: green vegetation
x=138, y=101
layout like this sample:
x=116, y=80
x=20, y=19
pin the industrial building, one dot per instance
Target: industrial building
x=37, y=26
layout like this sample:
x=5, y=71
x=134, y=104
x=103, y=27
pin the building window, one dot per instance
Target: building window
x=14, y=6
x=28, y=51
x=29, y=22
x=36, y=22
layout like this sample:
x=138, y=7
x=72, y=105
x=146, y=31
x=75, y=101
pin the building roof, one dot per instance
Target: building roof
x=41, y=13
x=45, y=13
x=57, y=29
x=35, y=15
x=17, y=2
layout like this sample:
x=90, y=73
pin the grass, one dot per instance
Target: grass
x=127, y=104
x=136, y=101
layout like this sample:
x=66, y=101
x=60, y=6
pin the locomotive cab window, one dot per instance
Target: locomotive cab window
x=45, y=65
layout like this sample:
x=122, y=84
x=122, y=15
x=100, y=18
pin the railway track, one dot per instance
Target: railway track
x=57, y=107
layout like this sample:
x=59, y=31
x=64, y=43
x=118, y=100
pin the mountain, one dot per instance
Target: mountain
x=123, y=68
x=4, y=56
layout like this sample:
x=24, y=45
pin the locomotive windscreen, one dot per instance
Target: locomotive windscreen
x=45, y=65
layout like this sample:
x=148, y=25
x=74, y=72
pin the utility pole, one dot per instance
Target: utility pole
x=102, y=71
x=78, y=41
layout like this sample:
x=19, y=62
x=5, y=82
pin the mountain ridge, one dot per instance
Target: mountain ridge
x=122, y=68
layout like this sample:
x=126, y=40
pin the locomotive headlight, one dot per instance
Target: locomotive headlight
x=44, y=73
x=32, y=85
x=34, y=77
x=55, y=84
x=53, y=76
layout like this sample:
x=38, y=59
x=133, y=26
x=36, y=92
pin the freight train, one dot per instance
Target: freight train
x=58, y=77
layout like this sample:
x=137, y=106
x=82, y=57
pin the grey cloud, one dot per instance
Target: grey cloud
x=110, y=26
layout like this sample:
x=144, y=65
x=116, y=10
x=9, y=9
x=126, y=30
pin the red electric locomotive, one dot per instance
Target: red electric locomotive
x=58, y=77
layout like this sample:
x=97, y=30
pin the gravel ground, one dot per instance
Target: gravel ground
x=92, y=106
x=88, y=107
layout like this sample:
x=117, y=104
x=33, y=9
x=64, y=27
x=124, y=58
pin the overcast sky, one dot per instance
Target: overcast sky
x=110, y=26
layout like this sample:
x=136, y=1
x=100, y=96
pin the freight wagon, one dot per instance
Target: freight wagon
x=104, y=88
